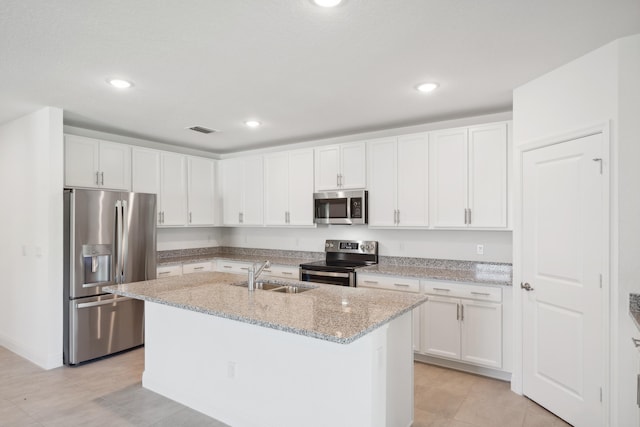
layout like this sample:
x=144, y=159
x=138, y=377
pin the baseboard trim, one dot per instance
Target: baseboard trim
x=50, y=361
x=459, y=366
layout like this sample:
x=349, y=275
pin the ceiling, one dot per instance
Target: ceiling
x=305, y=72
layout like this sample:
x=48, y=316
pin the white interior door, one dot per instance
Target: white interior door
x=562, y=214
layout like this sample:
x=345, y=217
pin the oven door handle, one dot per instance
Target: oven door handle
x=324, y=273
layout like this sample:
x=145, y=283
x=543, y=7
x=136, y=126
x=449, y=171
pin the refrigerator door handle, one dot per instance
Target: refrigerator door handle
x=125, y=239
x=105, y=302
x=118, y=240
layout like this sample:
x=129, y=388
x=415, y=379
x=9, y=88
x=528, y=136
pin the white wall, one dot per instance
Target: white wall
x=187, y=238
x=439, y=244
x=599, y=87
x=31, y=261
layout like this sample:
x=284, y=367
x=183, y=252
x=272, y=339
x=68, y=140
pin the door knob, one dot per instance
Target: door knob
x=527, y=287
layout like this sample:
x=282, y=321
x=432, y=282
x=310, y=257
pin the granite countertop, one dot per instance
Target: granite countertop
x=482, y=273
x=419, y=268
x=327, y=312
x=634, y=309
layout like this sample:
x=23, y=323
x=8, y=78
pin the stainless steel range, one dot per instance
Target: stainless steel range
x=342, y=259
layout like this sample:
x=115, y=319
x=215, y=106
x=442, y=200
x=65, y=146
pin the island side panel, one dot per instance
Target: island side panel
x=247, y=375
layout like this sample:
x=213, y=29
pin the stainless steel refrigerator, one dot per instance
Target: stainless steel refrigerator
x=110, y=238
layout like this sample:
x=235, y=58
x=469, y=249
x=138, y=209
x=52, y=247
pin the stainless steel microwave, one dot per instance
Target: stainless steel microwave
x=341, y=207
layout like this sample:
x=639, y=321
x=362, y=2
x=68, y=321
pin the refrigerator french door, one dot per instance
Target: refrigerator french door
x=110, y=238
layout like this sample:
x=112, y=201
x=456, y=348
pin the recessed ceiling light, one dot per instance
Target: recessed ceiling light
x=427, y=87
x=119, y=83
x=327, y=3
x=252, y=123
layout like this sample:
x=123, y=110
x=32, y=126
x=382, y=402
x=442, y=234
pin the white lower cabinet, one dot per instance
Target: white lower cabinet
x=463, y=322
x=281, y=272
x=394, y=283
x=168, y=271
x=237, y=267
x=197, y=267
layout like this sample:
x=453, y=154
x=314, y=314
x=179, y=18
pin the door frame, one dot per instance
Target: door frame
x=518, y=313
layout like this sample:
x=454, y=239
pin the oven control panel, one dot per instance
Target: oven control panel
x=352, y=246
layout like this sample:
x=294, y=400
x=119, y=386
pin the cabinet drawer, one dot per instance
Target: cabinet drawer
x=168, y=271
x=282, y=271
x=232, y=266
x=196, y=267
x=476, y=292
x=388, y=282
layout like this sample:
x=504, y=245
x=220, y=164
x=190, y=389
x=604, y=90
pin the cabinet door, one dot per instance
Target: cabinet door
x=482, y=333
x=301, y=187
x=327, y=167
x=252, y=212
x=201, y=180
x=440, y=327
x=115, y=166
x=382, y=182
x=488, y=176
x=413, y=180
x=173, y=187
x=81, y=158
x=353, y=170
x=232, y=187
x=276, y=188
x=145, y=171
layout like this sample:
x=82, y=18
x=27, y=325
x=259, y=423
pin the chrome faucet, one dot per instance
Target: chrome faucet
x=254, y=274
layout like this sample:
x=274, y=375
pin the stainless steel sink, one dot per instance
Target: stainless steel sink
x=275, y=286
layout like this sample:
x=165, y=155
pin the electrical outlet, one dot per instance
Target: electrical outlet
x=231, y=370
x=480, y=249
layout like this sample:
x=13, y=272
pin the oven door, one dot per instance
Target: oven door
x=329, y=277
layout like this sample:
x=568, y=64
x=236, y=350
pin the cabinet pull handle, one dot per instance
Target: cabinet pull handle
x=636, y=342
x=164, y=272
x=244, y=268
x=398, y=220
x=373, y=282
x=483, y=294
x=266, y=271
x=162, y=217
x=159, y=217
x=226, y=266
x=442, y=289
x=190, y=218
x=404, y=285
x=457, y=311
x=198, y=268
x=101, y=178
x=287, y=272
x=462, y=312
x=469, y=216
x=97, y=178
x=395, y=216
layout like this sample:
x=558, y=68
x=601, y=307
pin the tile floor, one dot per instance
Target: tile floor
x=108, y=393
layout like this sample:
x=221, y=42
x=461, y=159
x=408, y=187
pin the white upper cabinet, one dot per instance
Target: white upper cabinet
x=398, y=181
x=164, y=174
x=340, y=167
x=468, y=175
x=488, y=176
x=288, y=183
x=173, y=189
x=92, y=163
x=201, y=190
x=243, y=191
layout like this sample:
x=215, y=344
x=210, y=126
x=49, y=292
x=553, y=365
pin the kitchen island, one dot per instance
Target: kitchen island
x=327, y=356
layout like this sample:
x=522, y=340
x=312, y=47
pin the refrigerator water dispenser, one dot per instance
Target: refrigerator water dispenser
x=97, y=264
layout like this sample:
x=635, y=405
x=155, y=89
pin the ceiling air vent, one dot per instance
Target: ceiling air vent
x=201, y=129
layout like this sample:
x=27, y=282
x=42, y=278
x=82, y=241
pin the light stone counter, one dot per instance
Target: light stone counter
x=327, y=312
x=481, y=273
